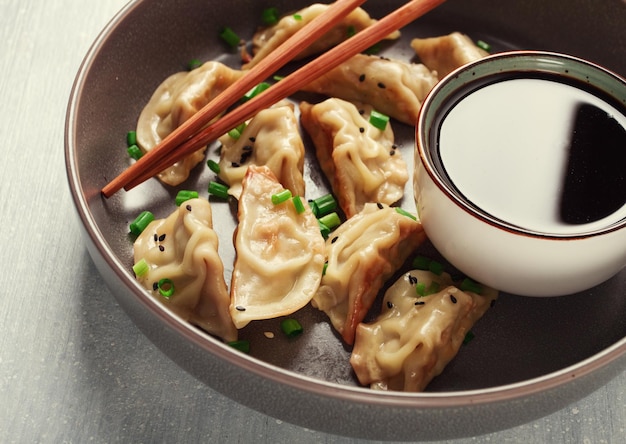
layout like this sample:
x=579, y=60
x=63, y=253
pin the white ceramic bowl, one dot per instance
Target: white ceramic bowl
x=475, y=206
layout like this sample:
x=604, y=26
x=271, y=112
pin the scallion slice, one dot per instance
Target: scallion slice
x=324, y=229
x=270, y=16
x=297, y=17
x=298, y=204
x=242, y=345
x=379, y=120
x=131, y=138
x=134, y=152
x=324, y=205
x=230, y=37
x=405, y=213
x=483, y=45
x=193, y=64
x=236, y=132
x=218, y=189
x=468, y=337
x=166, y=288
x=280, y=197
x=435, y=267
x=141, y=222
x=470, y=285
x=420, y=289
x=331, y=220
x=291, y=327
x=256, y=91
x=185, y=195
x=213, y=166
x=421, y=263
x=141, y=268
x=351, y=31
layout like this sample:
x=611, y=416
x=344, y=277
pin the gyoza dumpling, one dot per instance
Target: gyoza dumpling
x=183, y=250
x=178, y=98
x=392, y=87
x=272, y=139
x=446, y=53
x=414, y=337
x=362, y=253
x=359, y=160
x=268, y=39
x=280, y=252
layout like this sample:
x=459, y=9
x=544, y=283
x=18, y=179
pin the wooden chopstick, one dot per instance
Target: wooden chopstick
x=142, y=171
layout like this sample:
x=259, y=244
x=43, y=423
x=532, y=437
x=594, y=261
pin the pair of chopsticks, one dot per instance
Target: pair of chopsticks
x=194, y=134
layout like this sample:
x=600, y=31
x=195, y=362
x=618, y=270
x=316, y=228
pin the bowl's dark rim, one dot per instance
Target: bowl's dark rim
x=318, y=387
x=421, y=139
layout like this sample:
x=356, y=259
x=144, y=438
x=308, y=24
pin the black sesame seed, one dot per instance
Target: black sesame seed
x=412, y=279
x=453, y=299
x=492, y=303
x=161, y=248
x=251, y=139
x=362, y=78
x=394, y=146
x=333, y=240
x=156, y=237
x=361, y=111
x=420, y=303
x=188, y=207
x=240, y=308
x=247, y=148
x=234, y=165
x=379, y=205
x=361, y=129
x=162, y=238
x=389, y=304
x=381, y=85
x=155, y=286
x=392, y=152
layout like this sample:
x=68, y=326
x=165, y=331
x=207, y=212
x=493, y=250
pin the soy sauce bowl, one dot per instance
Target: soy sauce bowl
x=520, y=172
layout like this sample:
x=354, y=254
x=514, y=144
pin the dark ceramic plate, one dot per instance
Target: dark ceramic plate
x=530, y=356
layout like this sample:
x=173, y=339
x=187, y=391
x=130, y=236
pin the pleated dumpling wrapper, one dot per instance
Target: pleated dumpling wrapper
x=415, y=337
x=279, y=252
x=362, y=253
x=270, y=138
x=359, y=159
x=393, y=87
x=176, y=99
x=446, y=53
x=268, y=39
x=181, y=252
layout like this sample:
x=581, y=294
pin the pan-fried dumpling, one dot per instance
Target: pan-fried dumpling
x=360, y=160
x=414, y=338
x=446, y=53
x=392, y=87
x=272, y=139
x=362, y=253
x=183, y=250
x=268, y=39
x=280, y=252
x=178, y=98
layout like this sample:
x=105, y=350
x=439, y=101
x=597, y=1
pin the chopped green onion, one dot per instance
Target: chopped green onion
x=166, y=287
x=297, y=17
x=351, y=31
x=135, y=152
x=131, y=138
x=325, y=268
x=141, y=222
x=379, y=120
x=141, y=268
x=236, y=132
x=291, y=327
x=218, y=189
x=185, y=195
x=270, y=16
x=435, y=267
x=230, y=37
x=278, y=78
x=470, y=285
x=405, y=213
x=331, y=220
x=242, y=345
x=483, y=45
x=323, y=229
x=193, y=64
x=297, y=203
x=213, y=166
x=421, y=262
x=256, y=91
x=433, y=288
x=468, y=337
x=282, y=196
x=324, y=205
x=420, y=289
x=372, y=50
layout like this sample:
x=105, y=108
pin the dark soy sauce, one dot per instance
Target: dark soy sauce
x=538, y=153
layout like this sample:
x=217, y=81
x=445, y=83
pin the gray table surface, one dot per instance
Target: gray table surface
x=73, y=367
